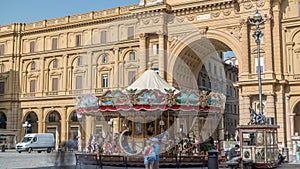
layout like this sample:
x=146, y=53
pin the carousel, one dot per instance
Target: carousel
x=120, y=121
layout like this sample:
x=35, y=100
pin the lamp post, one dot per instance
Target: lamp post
x=257, y=35
x=26, y=125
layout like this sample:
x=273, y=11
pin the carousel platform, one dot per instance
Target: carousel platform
x=138, y=161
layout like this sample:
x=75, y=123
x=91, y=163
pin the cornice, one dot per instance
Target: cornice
x=202, y=6
x=77, y=24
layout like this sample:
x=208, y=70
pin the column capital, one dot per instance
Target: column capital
x=143, y=35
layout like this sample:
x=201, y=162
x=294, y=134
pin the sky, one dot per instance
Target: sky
x=24, y=11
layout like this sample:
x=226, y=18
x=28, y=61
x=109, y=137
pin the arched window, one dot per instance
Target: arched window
x=53, y=117
x=74, y=117
x=55, y=64
x=104, y=58
x=32, y=67
x=3, y=120
x=79, y=61
x=132, y=56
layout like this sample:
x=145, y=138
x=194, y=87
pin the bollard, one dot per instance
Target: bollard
x=213, y=159
x=285, y=153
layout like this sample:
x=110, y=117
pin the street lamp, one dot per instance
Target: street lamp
x=26, y=125
x=257, y=35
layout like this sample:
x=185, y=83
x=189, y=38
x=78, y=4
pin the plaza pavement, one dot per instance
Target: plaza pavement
x=13, y=160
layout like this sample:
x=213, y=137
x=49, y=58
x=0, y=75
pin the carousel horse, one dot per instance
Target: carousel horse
x=256, y=118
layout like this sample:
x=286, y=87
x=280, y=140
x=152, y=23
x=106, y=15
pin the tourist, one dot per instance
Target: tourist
x=148, y=164
x=156, y=150
x=233, y=155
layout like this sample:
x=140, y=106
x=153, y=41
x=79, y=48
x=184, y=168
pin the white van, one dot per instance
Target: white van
x=36, y=141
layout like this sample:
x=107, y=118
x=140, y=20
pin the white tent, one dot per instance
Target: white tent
x=151, y=80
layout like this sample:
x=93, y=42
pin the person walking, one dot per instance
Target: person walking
x=148, y=163
x=156, y=150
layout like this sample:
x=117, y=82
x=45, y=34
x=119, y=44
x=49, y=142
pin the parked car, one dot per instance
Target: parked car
x=36, y=142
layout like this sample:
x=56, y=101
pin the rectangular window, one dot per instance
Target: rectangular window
x=1, y=49
x=2, y=86
x=155, y=49
x=103, y=37
x=131, y=77
x=54, y=84
x=32, y=86
x=54, y=43
x=78, y=40
x=261, y=65
x=32, y=44
x=298, y=8
x=78, y=82
x=104, y=80
x=130, y=33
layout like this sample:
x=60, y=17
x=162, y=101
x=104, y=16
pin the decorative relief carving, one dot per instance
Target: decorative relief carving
x=248, y=5
x=190, y=18
x=297, y=50
x=170, y=19
x=236, y=32
x=146, y=21
x=216, y=14
x=155, y=20
x=180, y=19
x=227, y=12
x=175, y=39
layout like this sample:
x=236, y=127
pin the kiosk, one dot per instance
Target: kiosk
x=259, y=144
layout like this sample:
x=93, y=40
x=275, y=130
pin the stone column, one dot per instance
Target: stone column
x=268, y=56
x=116, y=68
x=143, y=53
x=288, y=122
x=245, y=67
x=42, y=76
x=270, y=109
x=63, y=130
x=292, y=121
x=65, y=73
x=161, y=55
x=40, y=120
x=245, y=114
x=89, y=75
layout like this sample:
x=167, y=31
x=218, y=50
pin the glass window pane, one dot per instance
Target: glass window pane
x=32, y=86
x=78, y=40
x=32, y=44
x=2, y=85
x=54, y=84
x=1, y=49
x=104, y=80
x=78, y=82
x=55, y=64
x=130, y=33
x=132, y=56
x=103, y=37
x=54, y=43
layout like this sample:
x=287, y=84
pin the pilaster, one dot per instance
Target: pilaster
x=161, y=55
x=116, y=68
x=288, y=122
x=63, y=123
x=143, y=53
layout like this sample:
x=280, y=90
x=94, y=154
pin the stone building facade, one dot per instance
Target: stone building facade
x=46, y=64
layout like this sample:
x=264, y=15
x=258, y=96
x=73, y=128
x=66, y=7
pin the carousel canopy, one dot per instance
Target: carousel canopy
x=152, y=81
